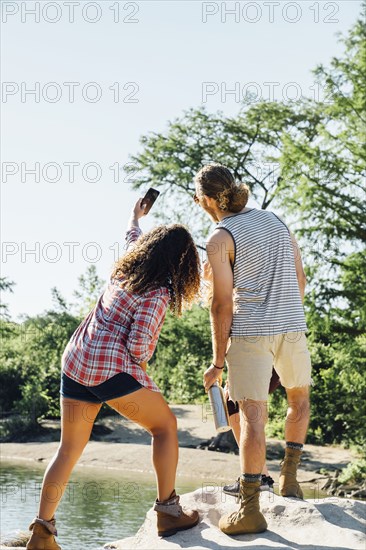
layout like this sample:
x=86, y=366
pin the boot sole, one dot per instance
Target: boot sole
x=230, y=494
x=246, y=532
x=172, y=532
x=292, y=496
x=47, y=548
x=261, y=488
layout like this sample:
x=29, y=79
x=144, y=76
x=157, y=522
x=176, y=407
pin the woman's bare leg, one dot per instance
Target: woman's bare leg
x=149, y=409
x=234, y=420
x=77, y=419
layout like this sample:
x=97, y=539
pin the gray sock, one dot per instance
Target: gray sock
x=292, y=445
x=251, y=478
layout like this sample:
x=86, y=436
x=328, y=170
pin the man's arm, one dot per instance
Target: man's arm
x=301, y=277
x=220, y=251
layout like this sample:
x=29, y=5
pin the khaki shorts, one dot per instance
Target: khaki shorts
x=250, y=360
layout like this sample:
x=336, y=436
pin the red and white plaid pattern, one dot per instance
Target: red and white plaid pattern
x=118, y=334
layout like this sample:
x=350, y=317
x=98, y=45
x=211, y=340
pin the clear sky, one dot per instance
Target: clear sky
x=135, y=66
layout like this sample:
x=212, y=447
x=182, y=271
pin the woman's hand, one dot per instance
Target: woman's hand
x=226, y=391
x=210, y=376
x=139, y=209
x=207, y=272
x=137, y=212
x=143, y=365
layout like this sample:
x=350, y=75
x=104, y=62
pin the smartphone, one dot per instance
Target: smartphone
x=150, y=198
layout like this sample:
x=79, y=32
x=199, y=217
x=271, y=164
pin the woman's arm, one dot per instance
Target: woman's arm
x=143, y=365
x=137, y=213
x=146, y=327
x=133, y=227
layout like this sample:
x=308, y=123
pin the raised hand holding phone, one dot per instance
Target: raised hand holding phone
x=139, y=209
x=142, y=207
x=149, y=199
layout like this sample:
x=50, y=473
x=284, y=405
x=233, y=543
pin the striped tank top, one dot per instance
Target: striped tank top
x=266, y=292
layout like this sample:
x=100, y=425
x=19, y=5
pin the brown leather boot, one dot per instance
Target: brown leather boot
x=248, y=519
x=43, y=535
x=288, y=484
x=172, y=518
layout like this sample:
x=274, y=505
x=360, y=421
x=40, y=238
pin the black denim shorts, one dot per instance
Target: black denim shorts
x=119, y=385
x=232, y=407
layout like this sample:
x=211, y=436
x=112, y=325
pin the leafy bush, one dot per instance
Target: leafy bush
x=339, y=390
x=354, y=472
x=183, y=354
x=30, y=368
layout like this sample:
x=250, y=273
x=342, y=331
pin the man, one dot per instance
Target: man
x=233, y=409
x=257, y=321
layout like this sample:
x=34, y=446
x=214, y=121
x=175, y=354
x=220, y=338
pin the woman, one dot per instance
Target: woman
x=105, y=362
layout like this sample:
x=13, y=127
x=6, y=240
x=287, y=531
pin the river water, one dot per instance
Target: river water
x=99, y=506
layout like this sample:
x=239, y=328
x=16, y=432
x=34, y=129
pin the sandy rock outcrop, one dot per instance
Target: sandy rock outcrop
x=324, y=524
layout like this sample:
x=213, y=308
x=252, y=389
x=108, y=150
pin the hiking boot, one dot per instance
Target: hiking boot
x=43, y=535
x=234, y=489
x=288, y=484
x=172, y=518
x=248, y=519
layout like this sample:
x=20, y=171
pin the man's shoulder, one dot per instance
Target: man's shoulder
x=252, y=221
x=221, y=240
x=221, y=234
x=248, y=217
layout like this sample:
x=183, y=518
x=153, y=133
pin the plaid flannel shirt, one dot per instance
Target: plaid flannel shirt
x=118, y=334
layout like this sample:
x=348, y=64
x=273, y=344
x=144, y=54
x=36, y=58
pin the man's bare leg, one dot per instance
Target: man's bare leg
x=249, y=518
x=298, y=414
x=234, y=420
x=297, y=422
x=252, y=437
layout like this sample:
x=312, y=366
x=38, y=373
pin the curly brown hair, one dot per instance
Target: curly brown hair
x=164, y=257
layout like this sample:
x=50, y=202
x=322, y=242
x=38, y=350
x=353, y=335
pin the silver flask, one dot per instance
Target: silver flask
x=219, y=408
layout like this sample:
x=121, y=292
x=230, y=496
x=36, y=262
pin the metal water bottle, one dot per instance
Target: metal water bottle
x=219, y=408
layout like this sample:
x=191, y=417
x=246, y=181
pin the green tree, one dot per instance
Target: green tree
x=88, y=292
x=328, y=201
x=30, y=359
x=5, y=285
x=30, y=371
x=6, y=327
x=90, y=286
x=45, y=337
x=249, y=143
x=328, y=162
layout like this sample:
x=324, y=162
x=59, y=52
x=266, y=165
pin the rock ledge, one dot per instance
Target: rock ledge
x=323, y=524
